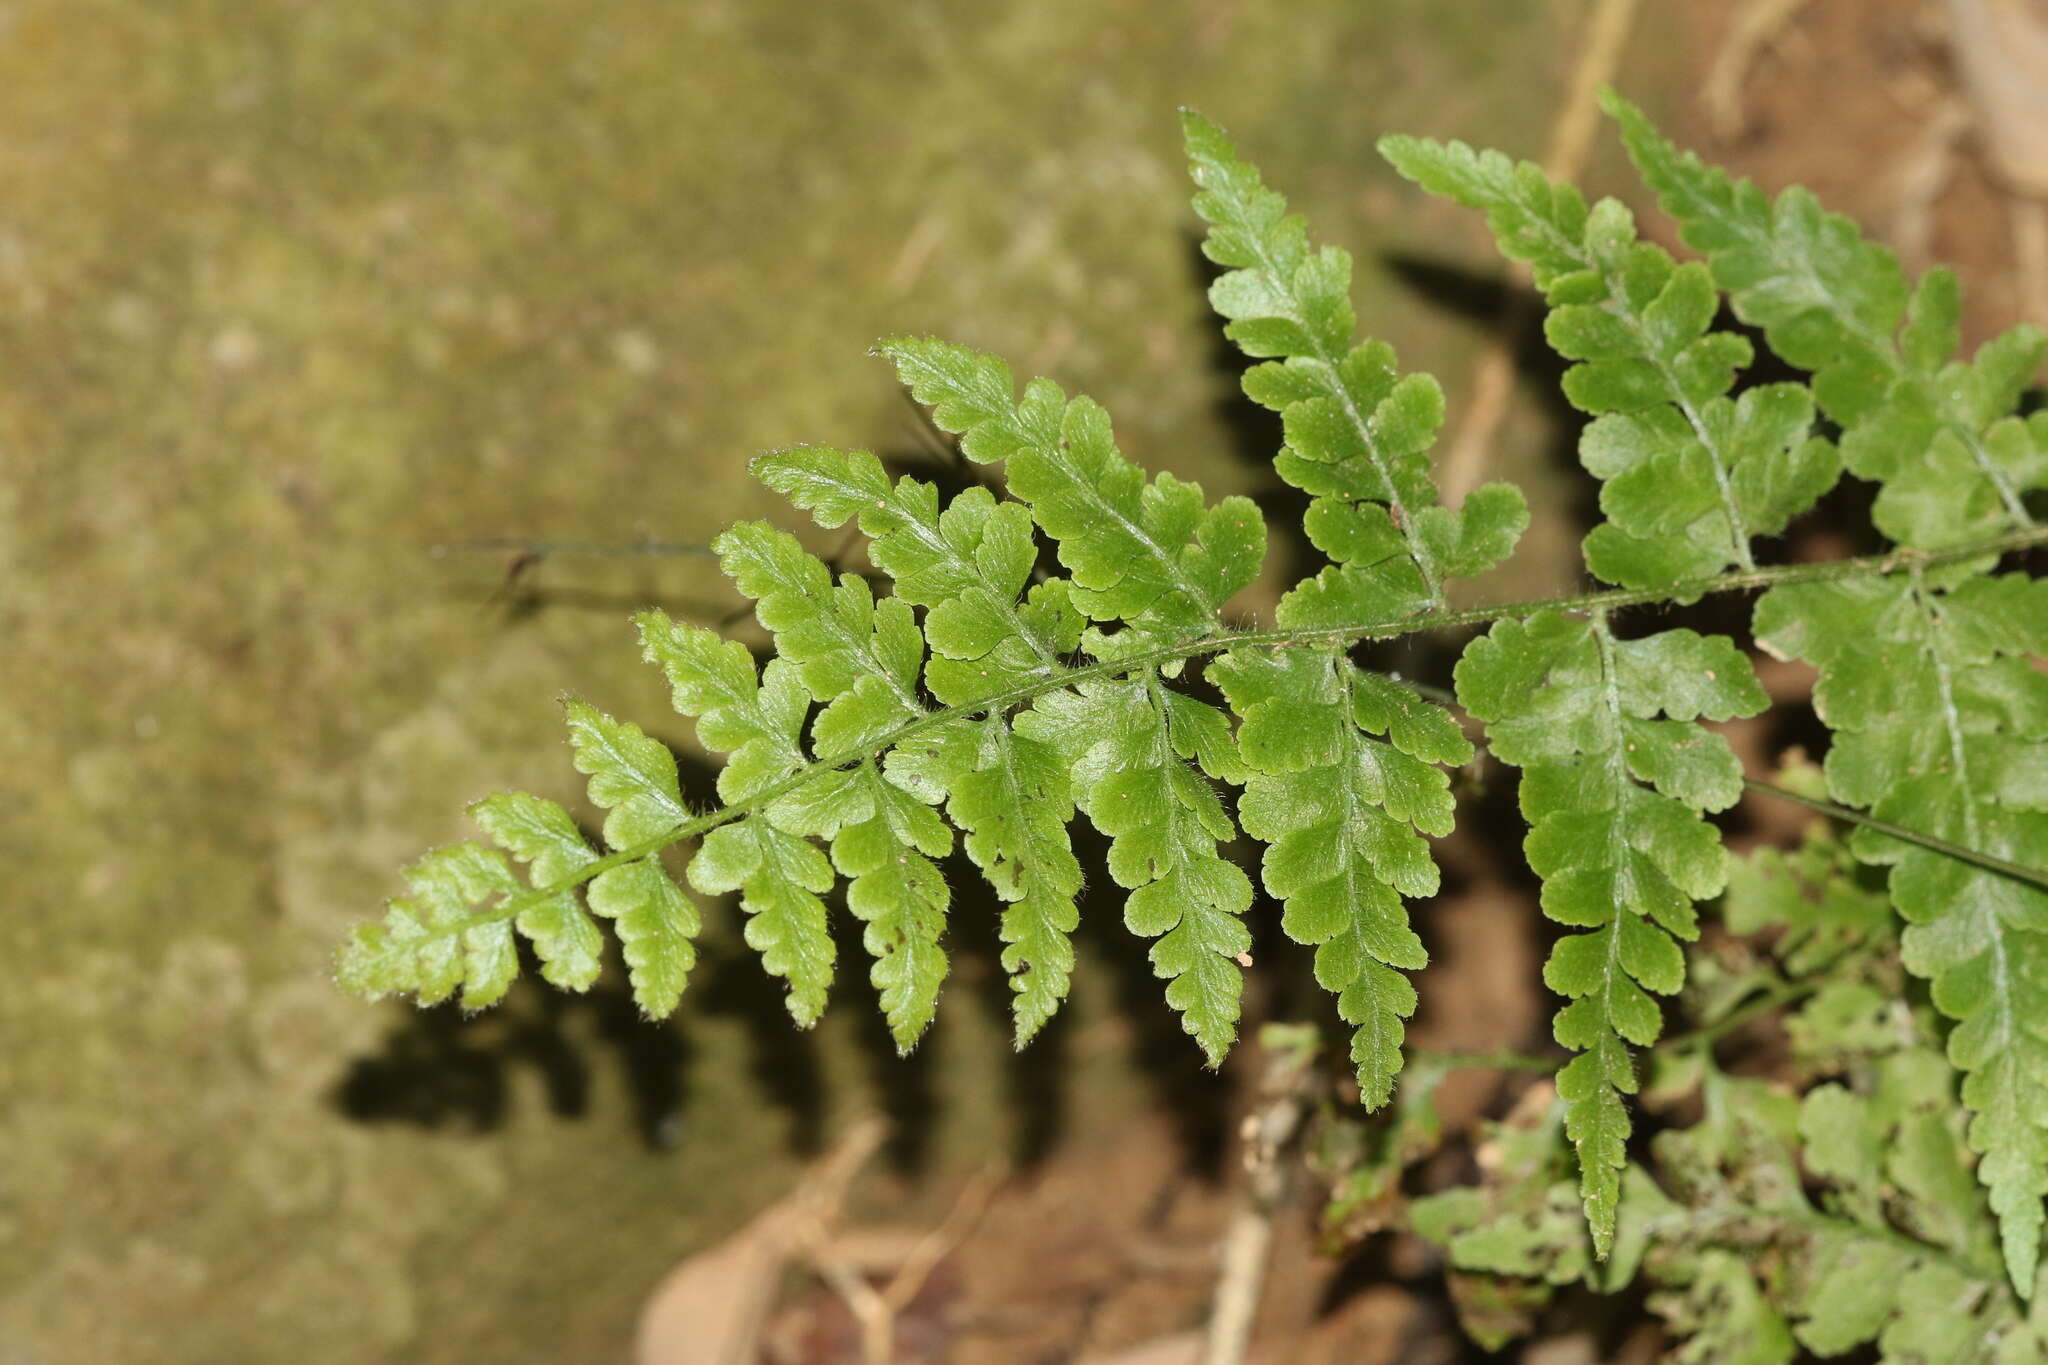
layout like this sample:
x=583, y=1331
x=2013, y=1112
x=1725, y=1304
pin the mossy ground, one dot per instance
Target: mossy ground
x=291, y=293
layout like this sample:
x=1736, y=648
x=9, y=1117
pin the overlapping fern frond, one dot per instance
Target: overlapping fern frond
x=1836, y=1216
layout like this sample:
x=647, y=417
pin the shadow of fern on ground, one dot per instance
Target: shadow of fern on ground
x=439, y=1069
x=1166, y=1059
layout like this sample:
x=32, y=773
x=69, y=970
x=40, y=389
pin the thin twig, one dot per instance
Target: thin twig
x=1934, y=843
x=1267, y=1131
x=1757, y=26
x=869, y=1308
x=1571, y=133
x=548, y=549
x=939, y=1243
x=876, y=1310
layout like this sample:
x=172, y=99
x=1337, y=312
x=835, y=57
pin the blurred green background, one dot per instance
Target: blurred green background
x=291, y=293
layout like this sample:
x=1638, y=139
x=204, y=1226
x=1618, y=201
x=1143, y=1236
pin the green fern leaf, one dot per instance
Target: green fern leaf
x=1575, y=708
x=860, y=656
x=780, y=875
x=955, y=692
x=884, y=839
x=897, y=890
x=1011, y=796
x=1917, y=701
x=1953, y=460
x=656, y=924
x=1940, y=727
x=456, y=929
x=1828, y=300
x=1689, y=474
x=969, y=565
x=1148, y=553
x=540, y=834
x=1340, y=813
x=1358, y=433
x=634, y=778
x=429, y=943
x=863, y=658
x=1128, y=742
x=756, y=721
x=1894, y=1248
x=1939, y=435
x=780, y=878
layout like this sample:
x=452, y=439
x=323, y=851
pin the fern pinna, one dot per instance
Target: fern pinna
x=990, y=697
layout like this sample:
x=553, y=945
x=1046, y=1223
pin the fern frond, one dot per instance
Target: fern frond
x=634, y=779
x=1614, y=796
x=1153, y=559
x=1917, y=735
x=1828, y=300
x=1918, y=705
x=1128, y=742
x=1358, y=435
x=540, y=834
x=859, y=656
x=1341, y=813
x=456, y=929
x=895, y=887
x=1011, y=796
x=757, y=721
x=969, y=565
x=954, y=692
x=429, y=943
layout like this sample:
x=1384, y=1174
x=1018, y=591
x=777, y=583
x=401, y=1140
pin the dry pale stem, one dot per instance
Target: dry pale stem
x=1267, y=1132
x=1571, y=133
